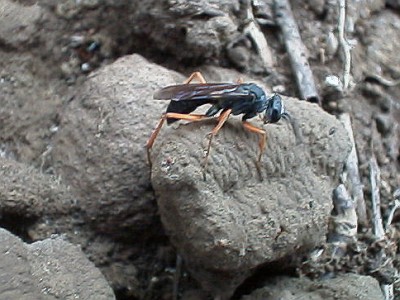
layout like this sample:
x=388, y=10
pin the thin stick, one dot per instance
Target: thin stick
x=375, y=178
x=388, y=291
x=395, y=207
x=253, y=31
x=344, y=44
x=345, y=221
x=353, y=174
x=384, y=81
x=296, y=50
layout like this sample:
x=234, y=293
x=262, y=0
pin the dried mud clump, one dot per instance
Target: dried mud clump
x=48, y=269
x=234, y=221
x=344, y=287
x=99, y=149
x=32, y=204
x=77, y=109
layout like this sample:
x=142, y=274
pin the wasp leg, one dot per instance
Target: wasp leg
x=188, y=117
x=221, y=120
x=195, y=75
x=262, y=139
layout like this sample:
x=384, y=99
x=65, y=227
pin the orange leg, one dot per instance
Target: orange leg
x=262, y=138
x=221, y=121
x=195, y=75
x=188, y=117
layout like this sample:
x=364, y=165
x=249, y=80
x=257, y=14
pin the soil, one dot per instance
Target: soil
x=51, y=51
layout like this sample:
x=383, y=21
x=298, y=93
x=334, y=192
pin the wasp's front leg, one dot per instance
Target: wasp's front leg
x=261, y=142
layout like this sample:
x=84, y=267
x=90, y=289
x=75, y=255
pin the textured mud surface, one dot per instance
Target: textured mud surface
x=76, y=86
x=48, y=269
x=239, y=218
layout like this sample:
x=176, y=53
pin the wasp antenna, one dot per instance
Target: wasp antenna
x=295, y=127
x=286, y=116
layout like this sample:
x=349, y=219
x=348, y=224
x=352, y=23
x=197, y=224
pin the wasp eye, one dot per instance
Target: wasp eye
x=274, y=110
x=273, y=115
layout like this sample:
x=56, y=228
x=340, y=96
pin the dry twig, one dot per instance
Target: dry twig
x=396, y=206
x=375, y=178
x=253, y=31
x=353, y=174
x=344, y=44
x=345, y=219
x=296, y=50
x=383, y=81
x=379, y=231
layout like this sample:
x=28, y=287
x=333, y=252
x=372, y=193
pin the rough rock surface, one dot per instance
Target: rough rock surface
x=15, y=28
x=49, y=269
x=48, y=48
x=32, y=194
x=234, y=221
x=343, y=287
x=199, y=30
x=393, y=3
x=100, y=147
x=381, y=57
x=38, y=201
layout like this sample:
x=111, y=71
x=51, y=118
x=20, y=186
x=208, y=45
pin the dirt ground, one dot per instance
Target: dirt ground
x=49, y=52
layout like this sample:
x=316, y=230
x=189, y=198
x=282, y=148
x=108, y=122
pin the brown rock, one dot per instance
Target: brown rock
x=100, y=147
x=382, y=41
x=50, y=269
x=26, y=193
x=231, y=223
x=18, y=23
x=344, y=287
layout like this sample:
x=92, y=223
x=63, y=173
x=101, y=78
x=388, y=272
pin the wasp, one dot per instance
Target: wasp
x=247, y=99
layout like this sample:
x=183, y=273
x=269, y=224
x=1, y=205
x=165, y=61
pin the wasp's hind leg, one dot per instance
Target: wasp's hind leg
x=188, y=117
x=195, y=75
x=176, y=116
x=239, y=80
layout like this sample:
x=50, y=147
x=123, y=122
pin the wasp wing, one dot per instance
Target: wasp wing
x=207, y=92
x=185, y=98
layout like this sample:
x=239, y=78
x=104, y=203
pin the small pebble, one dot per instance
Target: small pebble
x=86, y=67
x=384, y=123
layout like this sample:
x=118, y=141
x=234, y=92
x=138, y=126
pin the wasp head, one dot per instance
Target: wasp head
x=275, y=109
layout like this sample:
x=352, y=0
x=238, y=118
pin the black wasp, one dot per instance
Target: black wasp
x=247, y=99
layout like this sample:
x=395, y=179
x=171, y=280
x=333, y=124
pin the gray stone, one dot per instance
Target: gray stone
x=382, y=40
x=343, y=287
x=18, y=23
x=31, y=195
x=49, y=269
x=384, y=123
x=100, y=146
x=233, y=222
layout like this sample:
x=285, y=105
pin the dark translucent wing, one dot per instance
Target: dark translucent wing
x=206, y=92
